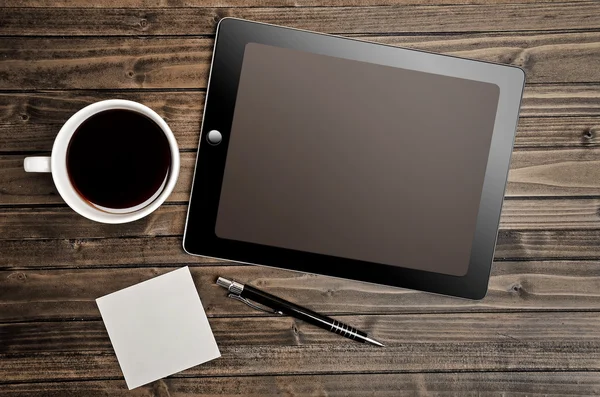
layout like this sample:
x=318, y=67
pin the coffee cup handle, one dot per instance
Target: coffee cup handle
x=37, y=164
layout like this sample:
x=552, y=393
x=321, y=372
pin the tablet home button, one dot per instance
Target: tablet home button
x=214, y=137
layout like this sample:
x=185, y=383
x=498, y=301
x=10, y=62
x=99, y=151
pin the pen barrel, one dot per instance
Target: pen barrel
x=302, y=313
x=348, y=331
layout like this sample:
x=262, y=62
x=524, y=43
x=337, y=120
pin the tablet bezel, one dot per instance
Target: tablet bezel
x=232, y=36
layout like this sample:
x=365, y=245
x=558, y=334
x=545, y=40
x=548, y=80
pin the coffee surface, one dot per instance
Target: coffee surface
x=118, y=159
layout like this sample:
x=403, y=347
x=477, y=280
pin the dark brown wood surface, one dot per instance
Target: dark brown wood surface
x=536, y=333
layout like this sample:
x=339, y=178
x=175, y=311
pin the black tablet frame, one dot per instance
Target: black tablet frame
x=200, y=238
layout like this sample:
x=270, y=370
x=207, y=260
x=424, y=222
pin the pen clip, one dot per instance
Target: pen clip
x=254, y=305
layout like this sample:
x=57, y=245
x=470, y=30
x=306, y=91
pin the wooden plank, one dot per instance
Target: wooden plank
x=533, y=132
x=486, y=341
x=328, y=358
x=30, y=295
x=30, y=121
x=104, y=63
x=548, y=244
x=550, y=214
x=180, y=62
x=23, y=188
x=166, y=251
x=169, y=220
x=544, y=57
x=557, y=132
x=571, y=172
x=567, y=172
x=51, y=223
x=248, y=3
x=469, y=384
x=106, y=252
x=576, y=100
x=526, y=328
x=202, y=21
x=552, y=115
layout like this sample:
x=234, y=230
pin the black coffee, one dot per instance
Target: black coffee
x=118, y=159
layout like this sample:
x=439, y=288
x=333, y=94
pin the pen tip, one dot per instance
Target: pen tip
x=374, y=342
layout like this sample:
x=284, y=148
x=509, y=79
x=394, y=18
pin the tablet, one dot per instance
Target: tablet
x=352, y=159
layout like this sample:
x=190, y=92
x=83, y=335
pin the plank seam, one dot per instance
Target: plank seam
x=336, y=314
x=326, y=373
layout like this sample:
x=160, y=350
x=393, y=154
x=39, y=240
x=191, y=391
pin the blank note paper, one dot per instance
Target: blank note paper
x=158, y=327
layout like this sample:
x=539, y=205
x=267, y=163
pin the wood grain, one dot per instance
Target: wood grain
x=339, y=20
x=91, y=336
x=33, y=295
x=166, y=251
x=551, y=115
x=104, y=63
x=46, y=223
x=557, y=132
x=500, y=340
x=580, y=214
x=534, y=173
x=247, y=3
x=548, y=245
x=470, y=384
x=268, y=359
x=23, y=188
x=534, y=334
x=179, y=62
x=569, y=172
x=30, y=121
x=105, y=252
x=169, y=220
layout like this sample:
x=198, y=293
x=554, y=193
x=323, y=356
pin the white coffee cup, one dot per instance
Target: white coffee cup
x=57, y=165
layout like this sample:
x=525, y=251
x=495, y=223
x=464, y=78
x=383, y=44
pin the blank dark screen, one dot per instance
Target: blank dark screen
x=356, y=160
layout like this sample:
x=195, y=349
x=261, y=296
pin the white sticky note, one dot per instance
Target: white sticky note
x=158, y=327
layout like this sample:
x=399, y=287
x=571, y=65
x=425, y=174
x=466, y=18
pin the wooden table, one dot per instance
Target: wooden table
x=538, y=330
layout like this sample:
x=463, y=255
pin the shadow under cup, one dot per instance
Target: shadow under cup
x=119, y=160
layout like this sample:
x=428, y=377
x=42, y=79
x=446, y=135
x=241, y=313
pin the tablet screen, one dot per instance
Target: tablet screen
x=356, y=160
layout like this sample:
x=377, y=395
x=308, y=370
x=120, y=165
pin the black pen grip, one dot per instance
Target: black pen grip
x=302, y=313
